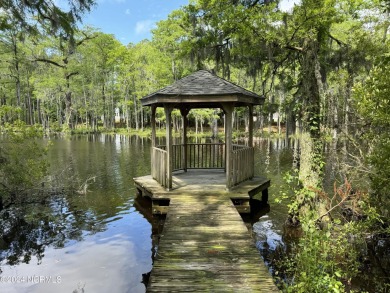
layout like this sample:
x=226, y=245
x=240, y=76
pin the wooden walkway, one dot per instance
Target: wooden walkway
x=205, y=246
x=200, y=180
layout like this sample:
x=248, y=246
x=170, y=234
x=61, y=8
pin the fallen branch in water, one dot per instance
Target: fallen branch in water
x=83, y=189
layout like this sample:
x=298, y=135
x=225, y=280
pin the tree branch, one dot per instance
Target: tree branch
x=86, y=38
x=50, y=62
x=299, y=49
x=337, y=40
x=71, y=74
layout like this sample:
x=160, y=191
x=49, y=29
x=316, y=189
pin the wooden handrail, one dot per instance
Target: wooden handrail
x=242, y=165
x=159, y=165
x=199, y=155
x=204, y=156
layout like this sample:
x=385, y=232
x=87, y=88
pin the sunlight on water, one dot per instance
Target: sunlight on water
x=96, y=242
x=102, y=241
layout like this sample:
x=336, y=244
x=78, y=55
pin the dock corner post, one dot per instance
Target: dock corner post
x=168, y=111
x=184, y=112
x=264, y=195
x=228, y=109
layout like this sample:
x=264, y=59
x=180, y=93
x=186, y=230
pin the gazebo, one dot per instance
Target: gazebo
x=202, y=89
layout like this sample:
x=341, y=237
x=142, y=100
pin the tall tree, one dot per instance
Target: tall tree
x=47, y=14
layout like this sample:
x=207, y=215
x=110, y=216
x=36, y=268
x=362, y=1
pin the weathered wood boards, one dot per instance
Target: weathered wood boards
x=199, y=180
x=205, y=246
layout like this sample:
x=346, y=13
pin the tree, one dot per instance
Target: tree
x=23, y=163
x=372, y=99
x=61, y=53
x=46, y=14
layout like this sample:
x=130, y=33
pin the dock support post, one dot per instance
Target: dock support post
x=264, y=195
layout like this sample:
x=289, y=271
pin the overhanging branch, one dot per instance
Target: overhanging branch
x=50, y=62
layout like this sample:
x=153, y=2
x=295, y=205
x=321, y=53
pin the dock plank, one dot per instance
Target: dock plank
x=205, y=246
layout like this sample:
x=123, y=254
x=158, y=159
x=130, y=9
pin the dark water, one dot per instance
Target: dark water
x=98, y=242
x=104, y=240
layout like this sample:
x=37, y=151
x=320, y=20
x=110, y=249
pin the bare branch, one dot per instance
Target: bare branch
x=340, y=43
x=71, y=74
x=50, y=62
x=299, y=49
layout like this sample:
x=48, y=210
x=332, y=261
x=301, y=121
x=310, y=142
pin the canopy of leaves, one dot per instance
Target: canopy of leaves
x=47, y=14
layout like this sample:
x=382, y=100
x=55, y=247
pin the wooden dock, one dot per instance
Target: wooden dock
x=205, y=246
x=201, y=180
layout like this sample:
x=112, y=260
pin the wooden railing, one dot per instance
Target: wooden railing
x=205, y=156
x=242, y=164
x=199, y=156
x=177, y=156
x=159, y=165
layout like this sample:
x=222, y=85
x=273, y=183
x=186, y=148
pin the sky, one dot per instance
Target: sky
x=131, y=21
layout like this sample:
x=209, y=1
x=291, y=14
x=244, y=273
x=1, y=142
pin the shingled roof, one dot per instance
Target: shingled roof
x=202, y=89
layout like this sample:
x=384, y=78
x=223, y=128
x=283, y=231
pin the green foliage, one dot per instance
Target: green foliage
x=326, y=259
x=372, y=99
x=327, y=255
x=47, y=14
x=322, y=260
x=23, y=162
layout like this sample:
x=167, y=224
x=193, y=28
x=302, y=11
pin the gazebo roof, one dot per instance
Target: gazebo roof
x=202, y=89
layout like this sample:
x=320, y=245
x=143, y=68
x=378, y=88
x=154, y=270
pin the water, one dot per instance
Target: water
x=98, y=242
x=105, y=240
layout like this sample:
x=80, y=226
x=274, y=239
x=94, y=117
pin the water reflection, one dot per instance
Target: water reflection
x=106, y=240
x=96, y=242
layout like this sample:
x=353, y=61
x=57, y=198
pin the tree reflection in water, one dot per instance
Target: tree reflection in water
x=25, y=231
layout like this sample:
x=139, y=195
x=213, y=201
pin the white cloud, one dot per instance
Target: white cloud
x=288, y=5
x=143, y=26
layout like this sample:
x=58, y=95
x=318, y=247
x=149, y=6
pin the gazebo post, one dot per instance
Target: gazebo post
x=184, y=113
x=168, y=111
x=202, y=89
x=250, y=140
x=228, y=109
x=153, y=122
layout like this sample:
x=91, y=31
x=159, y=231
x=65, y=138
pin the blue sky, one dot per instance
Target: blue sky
x=131, y=20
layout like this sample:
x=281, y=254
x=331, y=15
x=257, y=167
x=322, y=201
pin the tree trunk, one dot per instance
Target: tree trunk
x=311, y=160
x=335, y=117
x=136, y=113
x=142, y=117
x=214, y=125
x=68, y=110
